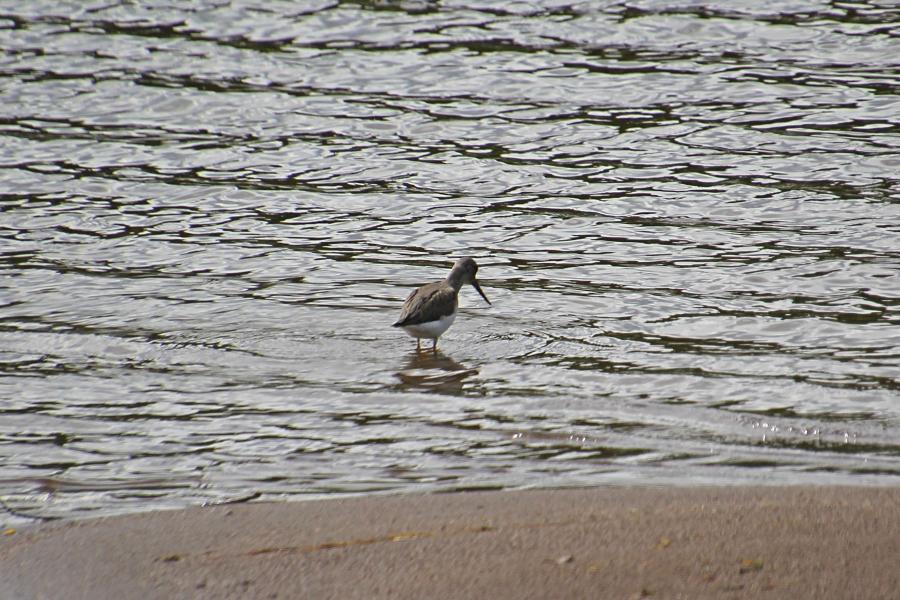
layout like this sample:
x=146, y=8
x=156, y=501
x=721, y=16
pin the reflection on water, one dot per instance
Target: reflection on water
x=430, y=371
x=686, y=217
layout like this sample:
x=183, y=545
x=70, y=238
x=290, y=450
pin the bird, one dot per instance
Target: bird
x=430, y=310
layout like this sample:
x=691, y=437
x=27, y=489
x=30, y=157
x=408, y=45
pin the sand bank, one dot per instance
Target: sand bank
x=794, y=542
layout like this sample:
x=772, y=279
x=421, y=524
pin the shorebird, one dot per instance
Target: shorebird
x=430, y=310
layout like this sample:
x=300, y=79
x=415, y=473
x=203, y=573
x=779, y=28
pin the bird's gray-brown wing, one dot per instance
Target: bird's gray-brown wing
x=428, y=303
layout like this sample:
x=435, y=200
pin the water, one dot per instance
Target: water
x=686, y=216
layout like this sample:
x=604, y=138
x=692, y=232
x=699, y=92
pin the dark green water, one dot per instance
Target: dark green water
x=687, y=217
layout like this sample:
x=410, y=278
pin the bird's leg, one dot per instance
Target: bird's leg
x=434, y=346
x=418, y=345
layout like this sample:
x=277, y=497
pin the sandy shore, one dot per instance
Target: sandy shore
x=821, y=542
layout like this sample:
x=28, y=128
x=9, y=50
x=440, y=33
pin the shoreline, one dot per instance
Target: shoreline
x=607, y=542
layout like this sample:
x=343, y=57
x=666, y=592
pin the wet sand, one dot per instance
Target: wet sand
x=794, y=542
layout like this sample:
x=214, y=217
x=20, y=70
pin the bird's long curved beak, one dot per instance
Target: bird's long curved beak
x=478, y=288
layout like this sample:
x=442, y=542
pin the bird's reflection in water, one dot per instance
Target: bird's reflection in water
x=434, y=372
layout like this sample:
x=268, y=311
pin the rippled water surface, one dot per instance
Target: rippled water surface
x=687, y=217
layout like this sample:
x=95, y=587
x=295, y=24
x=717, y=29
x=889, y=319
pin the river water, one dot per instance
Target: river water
x=686, y=215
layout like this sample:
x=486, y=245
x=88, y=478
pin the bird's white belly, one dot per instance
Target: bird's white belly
x=432, y=329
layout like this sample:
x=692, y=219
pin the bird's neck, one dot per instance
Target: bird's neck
x=455, y=281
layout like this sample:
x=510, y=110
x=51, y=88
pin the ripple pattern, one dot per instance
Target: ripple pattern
x=686, y=215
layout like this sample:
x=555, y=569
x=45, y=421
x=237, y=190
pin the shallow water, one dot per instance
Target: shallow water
x=686, y=216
